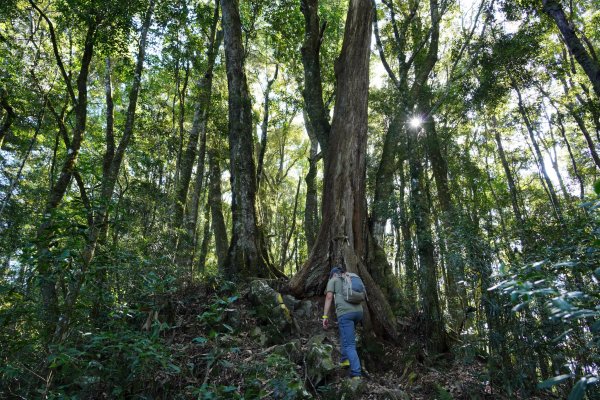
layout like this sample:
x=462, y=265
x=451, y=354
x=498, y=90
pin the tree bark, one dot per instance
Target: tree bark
x=10, y=115
x=343, y=236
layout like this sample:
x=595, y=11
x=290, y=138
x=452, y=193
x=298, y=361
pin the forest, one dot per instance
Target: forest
x=178, y=178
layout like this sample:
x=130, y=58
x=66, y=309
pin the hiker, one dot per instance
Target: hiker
x=348, y=315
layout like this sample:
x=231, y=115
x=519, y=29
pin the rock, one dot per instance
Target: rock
x=304, y=309
x=258, y=335
x=271, y=311
x=291, y=302
x=292, y=350
x=318, y=358
x=352, y=389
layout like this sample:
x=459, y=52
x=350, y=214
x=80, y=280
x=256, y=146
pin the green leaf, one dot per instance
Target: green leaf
x=200, y=340
x=553, y=381
x=578, y=390
x=597, y=187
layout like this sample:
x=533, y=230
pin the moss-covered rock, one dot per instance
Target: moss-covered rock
x=319, y=359
x=292, y=350
x=351, y=389
x=271, y=311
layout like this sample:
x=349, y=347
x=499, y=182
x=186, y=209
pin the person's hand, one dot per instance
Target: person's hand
x=325, y=322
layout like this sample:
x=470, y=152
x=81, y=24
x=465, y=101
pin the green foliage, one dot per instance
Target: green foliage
x=567, y=292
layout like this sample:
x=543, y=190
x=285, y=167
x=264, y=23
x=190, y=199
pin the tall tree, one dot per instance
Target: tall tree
x=247, y=255
x=343, y=237
x=185, y=229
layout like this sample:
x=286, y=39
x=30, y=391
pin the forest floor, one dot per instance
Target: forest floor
x=223, y=343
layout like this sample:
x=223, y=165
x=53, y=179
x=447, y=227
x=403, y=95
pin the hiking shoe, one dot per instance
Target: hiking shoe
x=345, y=364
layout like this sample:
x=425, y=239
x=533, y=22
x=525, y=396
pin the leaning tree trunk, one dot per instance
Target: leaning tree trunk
x=246, y=255
x=538, y=153
x=588, y=63
x=343, y=236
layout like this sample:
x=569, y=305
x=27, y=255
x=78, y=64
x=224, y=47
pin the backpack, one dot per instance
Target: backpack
x=353, y=288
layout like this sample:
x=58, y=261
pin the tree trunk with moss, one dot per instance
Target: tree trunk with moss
x=247, y=254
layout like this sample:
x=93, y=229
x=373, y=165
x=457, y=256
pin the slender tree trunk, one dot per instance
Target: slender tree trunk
x=246, y=256
x=589, y=65
x=201, y=107
x=215, y=202
x=99, y=227
x=343, y=236
x=313, y=85
x=512, y=187
x=10, y=115
x=552, y=192
x=264, y=128
x=311, y=208
x=410, y=281
x=284, y=258
x=203, y=251
x=563, y=133
x=576, y=114
x=384, y=181
x=46, y=230
x=433, y=323
x=586, y=134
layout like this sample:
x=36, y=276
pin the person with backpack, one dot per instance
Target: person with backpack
x=349, y=292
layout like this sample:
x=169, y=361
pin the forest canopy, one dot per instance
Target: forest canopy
x=159, y=157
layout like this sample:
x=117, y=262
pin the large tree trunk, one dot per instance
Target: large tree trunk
x=343, y=236
x=246, y=255
x=589, y=65
x=449, y=242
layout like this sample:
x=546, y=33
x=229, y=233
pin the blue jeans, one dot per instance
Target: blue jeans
x=346, y=324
